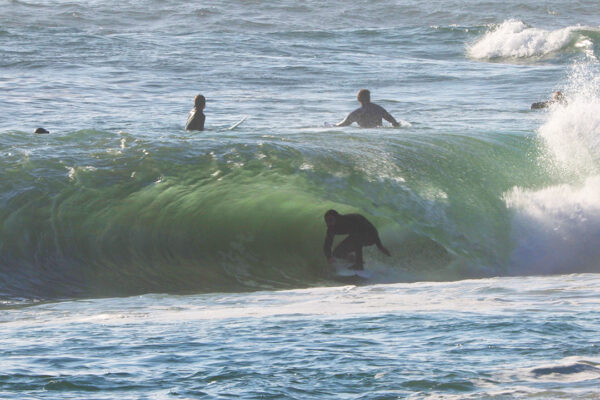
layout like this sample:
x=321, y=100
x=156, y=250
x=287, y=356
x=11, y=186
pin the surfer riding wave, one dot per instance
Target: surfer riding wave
x=360, y=233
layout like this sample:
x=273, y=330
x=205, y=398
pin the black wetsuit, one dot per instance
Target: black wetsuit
x=369, y=115
x=541, y=104
x=560, y=99
x=361, y=233
x=195, y=121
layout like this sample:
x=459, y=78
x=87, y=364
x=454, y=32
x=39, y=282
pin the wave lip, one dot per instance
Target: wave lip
x=514, y=39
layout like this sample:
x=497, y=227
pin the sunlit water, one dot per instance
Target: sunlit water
x=492, y=338
x=138, y=260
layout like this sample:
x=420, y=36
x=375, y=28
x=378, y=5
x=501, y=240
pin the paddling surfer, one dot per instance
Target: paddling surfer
x=369, y=115
x=196, y=118
x=557, y=97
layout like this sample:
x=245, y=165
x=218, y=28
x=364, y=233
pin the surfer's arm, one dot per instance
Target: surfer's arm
x=384, y=251
x=381, y=248
x=345, y=122
x=348, y=120
x=388, y=117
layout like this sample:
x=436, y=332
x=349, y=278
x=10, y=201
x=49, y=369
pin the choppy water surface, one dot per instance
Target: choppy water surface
x=138, y=260
x=490, y=338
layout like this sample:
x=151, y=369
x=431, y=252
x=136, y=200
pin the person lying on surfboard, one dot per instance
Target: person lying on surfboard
x=360, y=233
x=196, y=118
x=369, y=115
x=557, y=97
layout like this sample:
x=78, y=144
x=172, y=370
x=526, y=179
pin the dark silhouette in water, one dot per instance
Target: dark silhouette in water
x=360, y=233
x=557, y=97
x=196, y=118
x=369, y=115
x=40, y=131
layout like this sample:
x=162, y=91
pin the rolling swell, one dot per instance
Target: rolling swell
x=94, y=213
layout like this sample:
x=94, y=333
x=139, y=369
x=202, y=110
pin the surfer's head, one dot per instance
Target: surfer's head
x=558, y=96
x=364, y=96
x=199, y=102
x=330, y=217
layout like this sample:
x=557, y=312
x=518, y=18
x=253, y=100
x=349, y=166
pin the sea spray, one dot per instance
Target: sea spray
x=571, y=132
x=557, y=228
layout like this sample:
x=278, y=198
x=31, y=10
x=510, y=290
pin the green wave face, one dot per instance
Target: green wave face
x=95, y=213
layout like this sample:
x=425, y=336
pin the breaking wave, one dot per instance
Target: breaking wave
x=557, y=227
x=515, y=40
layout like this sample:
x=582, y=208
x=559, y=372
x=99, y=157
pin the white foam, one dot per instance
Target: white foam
x=514, y=39
x=404, y=123
x=557, y=228
x=494, y=295
x=572, y=131
x=572, y=134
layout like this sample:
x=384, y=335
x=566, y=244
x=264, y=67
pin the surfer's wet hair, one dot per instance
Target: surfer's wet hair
x=364, y=96
x=199, y=101
x=331, y=213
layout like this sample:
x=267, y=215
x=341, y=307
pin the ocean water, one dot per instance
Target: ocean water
x=141, y=261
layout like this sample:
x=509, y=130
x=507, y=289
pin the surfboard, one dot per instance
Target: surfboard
x=342, y=271
x=232, y=127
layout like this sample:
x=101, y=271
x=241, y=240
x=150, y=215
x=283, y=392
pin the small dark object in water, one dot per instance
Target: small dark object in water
x=40, y=130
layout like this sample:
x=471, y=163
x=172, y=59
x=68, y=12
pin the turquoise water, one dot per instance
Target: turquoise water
x=491, y=338
x=138, y=260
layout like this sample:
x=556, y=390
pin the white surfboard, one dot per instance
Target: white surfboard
x=232, y=127
x=342, y=270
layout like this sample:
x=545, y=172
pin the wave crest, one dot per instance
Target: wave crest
x=514, y=39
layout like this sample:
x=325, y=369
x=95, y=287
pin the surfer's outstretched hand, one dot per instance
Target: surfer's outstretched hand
x=385, y=251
